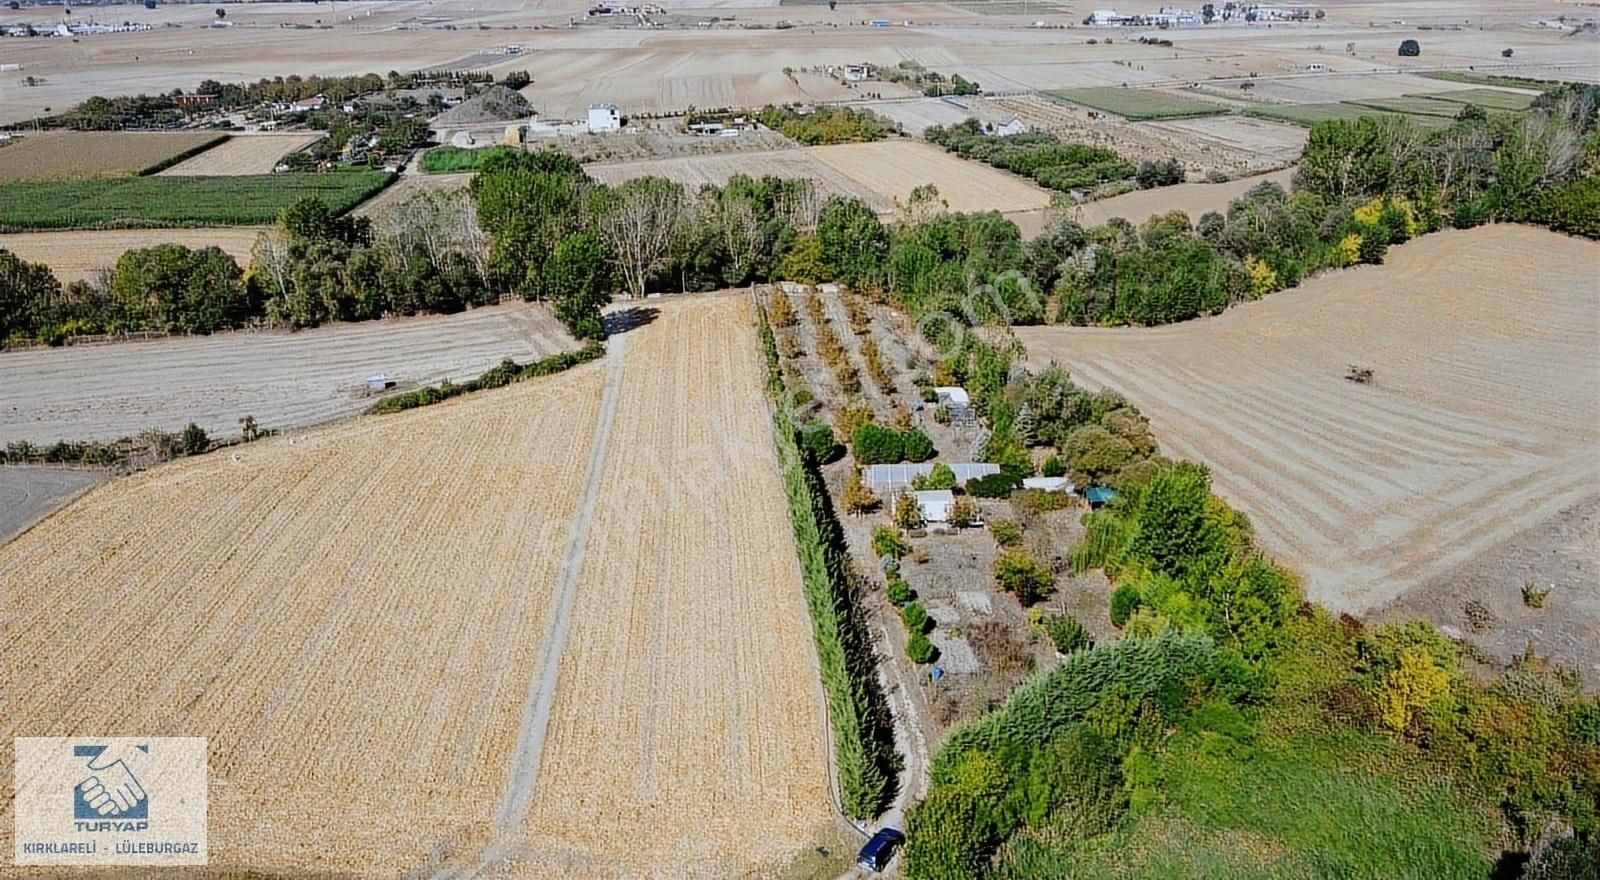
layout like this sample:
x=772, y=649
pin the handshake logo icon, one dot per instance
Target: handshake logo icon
x=111, y=788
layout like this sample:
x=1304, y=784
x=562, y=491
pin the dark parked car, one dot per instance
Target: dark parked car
x=1410, y=48
x=877, y=852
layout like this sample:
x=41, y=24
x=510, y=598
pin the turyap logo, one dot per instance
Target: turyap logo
x=110, y=800
x=112, y=789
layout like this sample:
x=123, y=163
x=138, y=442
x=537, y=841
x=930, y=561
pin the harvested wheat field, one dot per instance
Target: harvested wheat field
x=63, y=155
x=243, y=154
x=685, y=737
x=1481, y=423
x=351, y=615
x=696, y=171
x=1193, y=199
x=285, y=380
x=82, y=253
x=891, y=169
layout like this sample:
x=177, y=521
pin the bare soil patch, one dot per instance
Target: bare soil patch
x=28, y=493
x=891, y=169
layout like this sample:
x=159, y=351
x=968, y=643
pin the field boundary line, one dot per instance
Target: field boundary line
x=542, y=689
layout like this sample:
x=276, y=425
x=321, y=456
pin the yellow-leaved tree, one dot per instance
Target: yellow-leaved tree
x=1417, y=683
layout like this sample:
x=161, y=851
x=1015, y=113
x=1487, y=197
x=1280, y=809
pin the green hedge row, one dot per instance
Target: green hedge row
x=507, y=372
x=863, y=737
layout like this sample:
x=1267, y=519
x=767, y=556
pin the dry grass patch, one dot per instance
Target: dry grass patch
x=351, y=616
x=1480, y=423
x=243, y=154
x=64, y=155
x=82, y=254
x=892, y=169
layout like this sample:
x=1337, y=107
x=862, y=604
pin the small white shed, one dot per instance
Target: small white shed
x=935, y=504
x=1048, y=484
x=952, y=394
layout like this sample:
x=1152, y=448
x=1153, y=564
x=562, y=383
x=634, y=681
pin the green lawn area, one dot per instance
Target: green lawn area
x=446, y=160
x=139, y=202
x=1311, y=114
x=1489, y=79
x=1139, y=104
x=1488, y=99
x=1234, y=801
x=1414, y=105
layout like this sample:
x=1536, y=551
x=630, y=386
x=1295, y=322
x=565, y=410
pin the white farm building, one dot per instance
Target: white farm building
x=604, y=117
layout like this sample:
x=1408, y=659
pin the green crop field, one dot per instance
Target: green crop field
x=1415, y=105
x=139, y=202
x=1489, y=79
x=1139, y=104
x=1488, y=99
x=1311, y=114
x=446, y=160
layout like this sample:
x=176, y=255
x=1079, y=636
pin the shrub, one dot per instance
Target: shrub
x=899, y=591
x=1006, y=532
x=1018, y=573
x=1067, y=634
x=817, y=442
x=1053, y=467
x=1411, y=688
x=1124, y=601
x=888, y=542
x=941, y=477
x=920, y=650
x=1533, y=595
x=994, y=485
x=965, y=512
x=916, y=618
x=907, y=515
x=875, y=444
x=856, y=497
x=1040, y=501
x=915, y=446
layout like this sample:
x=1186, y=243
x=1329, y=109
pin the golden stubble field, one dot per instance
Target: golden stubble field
x=686, y=735
x=81, y=254
x=242, y=154
x=1482, y=422
x=350, y=615
x=555, y=629
x=53, y=155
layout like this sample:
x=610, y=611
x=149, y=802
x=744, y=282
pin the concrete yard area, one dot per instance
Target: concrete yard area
x=105, y=391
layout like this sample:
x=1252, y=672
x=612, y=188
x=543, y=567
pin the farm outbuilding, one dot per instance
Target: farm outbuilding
x=604, y=117
x=887, y=479
x=935, y=504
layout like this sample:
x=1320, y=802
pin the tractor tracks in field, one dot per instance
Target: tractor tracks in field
x=542, y=689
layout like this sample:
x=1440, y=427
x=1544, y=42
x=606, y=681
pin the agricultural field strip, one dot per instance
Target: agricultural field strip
x=63, y=155
x=1370, y=491
x=311, y=573
x=101, y=392
x=694, y=171
x=541, y=692
x=686, y=736
x=80, y=254
x=242, y=155
x=891, y=169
